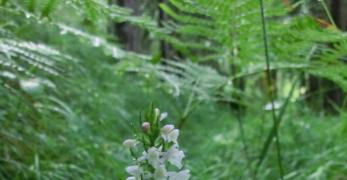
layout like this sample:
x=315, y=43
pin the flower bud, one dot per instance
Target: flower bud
x=163, y=116
x=146, y=127
x=130, y=143
x=156, y=112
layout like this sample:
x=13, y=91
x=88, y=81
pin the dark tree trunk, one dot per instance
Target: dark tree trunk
x=130, y=36
x=335, y=95
x=339, y=13
x=336, y=9
x=325, y=94
x=164, y=47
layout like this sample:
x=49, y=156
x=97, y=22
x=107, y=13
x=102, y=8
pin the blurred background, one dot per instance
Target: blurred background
x=75, y=74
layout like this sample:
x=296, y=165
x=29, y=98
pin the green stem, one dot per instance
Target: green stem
x=328, y=13
x=188, y=109
x=244, y=144
x=271, y=89
x=272, y=132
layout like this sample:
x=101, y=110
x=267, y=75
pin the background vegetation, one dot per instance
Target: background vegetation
x=256, y=95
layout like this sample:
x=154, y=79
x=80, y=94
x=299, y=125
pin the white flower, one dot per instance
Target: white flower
x=135, y=171
x=182, y=175
x=130, y=143
x=160, y=173
x=169, y=134
x=163, y=116
x=167, y=129
x=131, y=178
x=143, y=157
x=147, y=176
x=153, y=155
x=173, y=135
x=175, y=156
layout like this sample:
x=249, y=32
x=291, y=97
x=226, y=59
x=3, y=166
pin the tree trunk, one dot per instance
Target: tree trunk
x=164, y=47
x=336, y=9
x=130, y=36
x=325, y=94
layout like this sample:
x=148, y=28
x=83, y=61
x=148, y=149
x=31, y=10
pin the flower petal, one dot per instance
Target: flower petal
x=153, y=156
x=182, y=175
x=173, y=135
x=175, y=156
x=134, y=170
x=160, y=173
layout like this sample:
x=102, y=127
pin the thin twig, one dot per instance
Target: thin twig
x=271, y=90
x=328, y=13
x=272, y=132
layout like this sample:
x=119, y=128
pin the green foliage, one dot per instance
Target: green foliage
x=69, y=91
